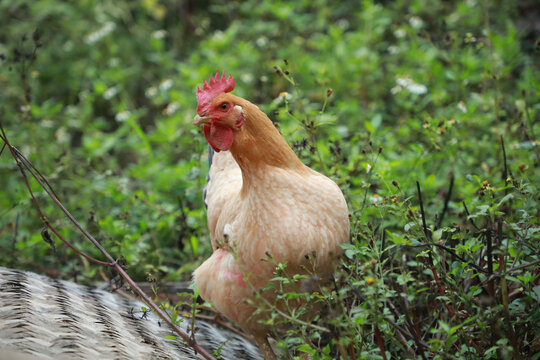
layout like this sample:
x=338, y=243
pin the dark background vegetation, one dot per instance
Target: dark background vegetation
x=100, y=95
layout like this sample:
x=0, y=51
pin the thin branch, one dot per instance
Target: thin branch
x=446, y=200
x=426, y=232
x=523, y=266
x=380, y=343
x=25, y=164
x=405, y=332
x=505, y=171
x=449, y=307
x=468, y=215
x=489, y=254
x=447, y=249
x=21, y=163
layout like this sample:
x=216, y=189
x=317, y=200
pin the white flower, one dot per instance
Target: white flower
x=461, y=106
x=219, y=35
x=416, y=22
x=47, y=123
x=110, y=93
x=343, y=23
x=261, y=41
x=403, y=81
x=122, y=116
x=159, y=34
x=171, y=108
x=62, y=135
x=417, y=88
x=246, y=77
x=165, y=85
x=392, y=49
x=396, y=89
x=400, y=33
x=95, y=36
x=284, y=95
x=151, y=92
x=410, y=85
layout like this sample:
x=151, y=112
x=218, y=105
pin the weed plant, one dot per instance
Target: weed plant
x=424, y=112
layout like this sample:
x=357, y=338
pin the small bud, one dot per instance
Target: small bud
x=380, y=149
x=395, y=183
x=285, y=61
x=36, y=35
x=329, y=92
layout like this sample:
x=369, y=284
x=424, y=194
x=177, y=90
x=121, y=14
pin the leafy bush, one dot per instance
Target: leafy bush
x=377, y=95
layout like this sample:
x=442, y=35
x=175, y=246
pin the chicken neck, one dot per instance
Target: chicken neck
x=259, y=146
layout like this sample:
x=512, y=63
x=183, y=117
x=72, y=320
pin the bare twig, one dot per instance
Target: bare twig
x=489, y=254
x=452, y=252
x=22, y=164
x=468, y=215
x=446, y=200
x=380, y=343
x=25, y=165
x=409, y=331
x=423, y=214
x=523, y=266
x=505, y=171
x=432, y=265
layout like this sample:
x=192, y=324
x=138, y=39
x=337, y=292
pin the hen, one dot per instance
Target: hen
x=262, y=202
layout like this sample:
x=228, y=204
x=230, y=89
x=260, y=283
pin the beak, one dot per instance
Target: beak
x=198, y=120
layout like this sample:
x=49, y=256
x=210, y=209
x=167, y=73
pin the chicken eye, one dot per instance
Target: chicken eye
x=224, y=106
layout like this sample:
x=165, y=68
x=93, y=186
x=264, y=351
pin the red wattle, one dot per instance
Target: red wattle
x=219, y=137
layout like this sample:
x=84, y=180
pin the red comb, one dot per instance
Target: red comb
x=212, y=88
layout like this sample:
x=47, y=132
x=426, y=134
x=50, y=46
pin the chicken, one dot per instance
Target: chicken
x=262, y=202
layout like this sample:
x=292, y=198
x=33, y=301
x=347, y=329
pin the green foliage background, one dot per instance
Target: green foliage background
x=100, y=95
